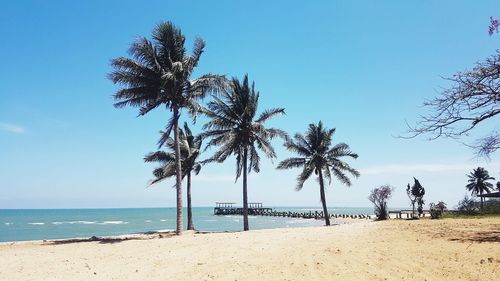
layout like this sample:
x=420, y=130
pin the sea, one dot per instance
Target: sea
x=40, y=224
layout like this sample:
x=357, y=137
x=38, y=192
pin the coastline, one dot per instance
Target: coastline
x=22, y=225
x=446, y=249
x=155, y=234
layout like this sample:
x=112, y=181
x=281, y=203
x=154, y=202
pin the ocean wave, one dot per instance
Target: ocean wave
x=165, y=230
x=113, y=222
x=8, y=223
x=86, y=222
x=36, y=223
x=163, y=220
x=148, y=221
x=74, y=222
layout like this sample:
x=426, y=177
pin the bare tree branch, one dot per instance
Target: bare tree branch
x=474, y=97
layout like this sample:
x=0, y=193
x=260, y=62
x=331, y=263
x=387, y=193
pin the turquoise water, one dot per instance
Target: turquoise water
x=21, y=225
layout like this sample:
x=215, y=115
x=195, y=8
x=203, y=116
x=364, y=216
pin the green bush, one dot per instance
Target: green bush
x=468, y=206
x=437, y=210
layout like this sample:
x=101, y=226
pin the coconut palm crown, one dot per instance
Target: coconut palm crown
x=235, y=129
x=159, y=74
x=318, y=155
x=190, y=147
x=478, y=182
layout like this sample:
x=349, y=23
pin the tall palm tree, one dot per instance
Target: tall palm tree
x=159, y=74
x=319, y=156
x=233, y=127
x=478, y=182
x=190, y=147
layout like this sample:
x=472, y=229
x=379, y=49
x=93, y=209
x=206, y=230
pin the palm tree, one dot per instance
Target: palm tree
x=235, y=130
x=478, y=182
x=158, y=74
x=190, y=147
x=319, y=156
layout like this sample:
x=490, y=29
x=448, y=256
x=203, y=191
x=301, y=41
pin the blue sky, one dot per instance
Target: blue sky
x=363, y=67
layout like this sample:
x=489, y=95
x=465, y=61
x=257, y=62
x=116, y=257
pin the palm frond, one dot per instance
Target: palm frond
x=159, y=156
x=254, y=160
x=301, y=179
x=269, y=113
x=341, y=176
x=320, y=155
x=291, y=163
x=165, y=135
x=192, y=61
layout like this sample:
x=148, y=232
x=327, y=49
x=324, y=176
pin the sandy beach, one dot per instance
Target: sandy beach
x=450, y=249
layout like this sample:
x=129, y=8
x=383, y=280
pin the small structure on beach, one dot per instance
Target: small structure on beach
x=409, y=213
x=227, y=208
x=490, y=195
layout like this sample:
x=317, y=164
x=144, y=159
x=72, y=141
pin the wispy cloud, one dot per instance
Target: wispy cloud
x=12, y=128
x=428, y=168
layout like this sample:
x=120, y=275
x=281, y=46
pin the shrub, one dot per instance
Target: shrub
x=379, y=197
x=467, y=206
x=437, y=210
x=416, y=195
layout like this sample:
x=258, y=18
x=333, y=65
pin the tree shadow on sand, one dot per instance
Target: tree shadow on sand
x=479, y=236
x=112, y=240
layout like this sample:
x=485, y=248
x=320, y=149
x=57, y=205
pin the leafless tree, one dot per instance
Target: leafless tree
x=472, y=99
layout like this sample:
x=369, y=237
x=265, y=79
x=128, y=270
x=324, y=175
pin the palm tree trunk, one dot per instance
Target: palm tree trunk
x=413, y=209
x=245, y=197
x=190, y=211
x=178, y=171
x=323, y=199
x=481, y=193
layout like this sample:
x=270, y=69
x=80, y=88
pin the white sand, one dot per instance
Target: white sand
x=450, y=249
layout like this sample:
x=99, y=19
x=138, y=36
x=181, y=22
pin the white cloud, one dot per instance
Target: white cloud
x=12, y=128
x=429, y=168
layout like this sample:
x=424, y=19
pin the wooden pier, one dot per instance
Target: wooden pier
x=256, y=209
x=225, y=208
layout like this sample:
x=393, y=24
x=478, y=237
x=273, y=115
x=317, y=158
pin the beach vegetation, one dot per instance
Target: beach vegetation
x=479, y=183
x=190, y=147
x=317, y=154
x=467, y=206
x=416, y=194
x=437, y=209
x=470, y=101
x=235, y=129
x=379, y=197
x=158, y=74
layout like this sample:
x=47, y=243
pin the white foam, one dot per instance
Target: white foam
x=36, y=223
x=163, y=220
x=113, y=222
x=8, y=223
x=148, y=221
x=74, y=222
